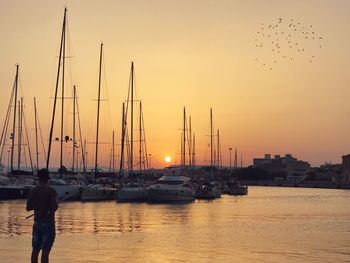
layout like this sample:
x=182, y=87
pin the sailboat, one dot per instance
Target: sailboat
x=19, y=132
x=234, y=186
x=210, y=188
x=18, y=184
x=173, y=188
x=133, y=191
x=99, y=190
x=63, y=189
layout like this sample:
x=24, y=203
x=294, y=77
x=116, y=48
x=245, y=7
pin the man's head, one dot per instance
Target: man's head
x=43, y=176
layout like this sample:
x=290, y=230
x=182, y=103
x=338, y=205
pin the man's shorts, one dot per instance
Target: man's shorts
x=43, y=235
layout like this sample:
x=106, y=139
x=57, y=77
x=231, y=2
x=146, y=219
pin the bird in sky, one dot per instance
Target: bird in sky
x=297, y=38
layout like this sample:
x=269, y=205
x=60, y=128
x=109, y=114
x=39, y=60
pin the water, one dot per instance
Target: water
x=268, y=225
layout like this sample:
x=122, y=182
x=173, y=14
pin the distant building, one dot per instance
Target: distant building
x=345, y=174
x=291, y=166
x=327, y=172
x=262, y=162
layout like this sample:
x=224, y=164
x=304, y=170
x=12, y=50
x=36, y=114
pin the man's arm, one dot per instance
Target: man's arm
x=30, y=201
x=54, y=201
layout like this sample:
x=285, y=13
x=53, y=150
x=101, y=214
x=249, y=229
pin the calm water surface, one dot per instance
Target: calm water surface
x=268, y=225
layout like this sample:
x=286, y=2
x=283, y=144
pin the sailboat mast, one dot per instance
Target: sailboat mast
x=184, y=139
x=41, y=136
x=218, y=148
x=110, y=159
x=140, y=136
x=62, y=103
x=27, y=138
x=98, y=108
x=121, y=166
x=194, y=150
x=132, y=119
x=20, y=122
x=211, y=137
x=36, y=136
x=85, y=157
x=190, y=143
x=145, y=153
x=77, y=162
x=219, y=160
x=14, y=118
x=235, y=160
x=181, y=143
x=82, y=146
x=113, y=152
x=74, y=99
x=56, y=89
x=5, y=128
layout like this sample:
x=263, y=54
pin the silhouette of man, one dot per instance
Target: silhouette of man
x=43, y=200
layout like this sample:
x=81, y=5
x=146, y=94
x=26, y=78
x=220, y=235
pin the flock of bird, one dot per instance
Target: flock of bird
x=285, y=40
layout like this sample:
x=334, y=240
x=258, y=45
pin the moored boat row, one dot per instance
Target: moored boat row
x=167, y=189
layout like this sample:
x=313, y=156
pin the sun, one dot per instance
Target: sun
x=167, y=159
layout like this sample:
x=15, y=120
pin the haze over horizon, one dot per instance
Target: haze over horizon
x=198, y=54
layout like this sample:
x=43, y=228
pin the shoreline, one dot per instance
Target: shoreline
x=311, y=184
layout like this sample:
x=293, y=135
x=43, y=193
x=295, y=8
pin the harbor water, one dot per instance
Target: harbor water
x=271, y=224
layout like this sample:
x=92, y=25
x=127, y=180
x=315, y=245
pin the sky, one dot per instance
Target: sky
x=200, y=54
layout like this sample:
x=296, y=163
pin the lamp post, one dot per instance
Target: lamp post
x=230, y=149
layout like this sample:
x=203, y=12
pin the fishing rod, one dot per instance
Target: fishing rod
x=65, y=198
x=71, y=194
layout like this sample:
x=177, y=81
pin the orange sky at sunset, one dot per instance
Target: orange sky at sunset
x=198, y=54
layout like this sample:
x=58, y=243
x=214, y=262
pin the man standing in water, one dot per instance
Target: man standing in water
x=43, y=200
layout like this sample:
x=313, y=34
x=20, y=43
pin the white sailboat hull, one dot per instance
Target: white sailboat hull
x=67, y=192
x=132, y=194
x=161, y=195
x=209, y=193
x=98, y=194
x=14, y=191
